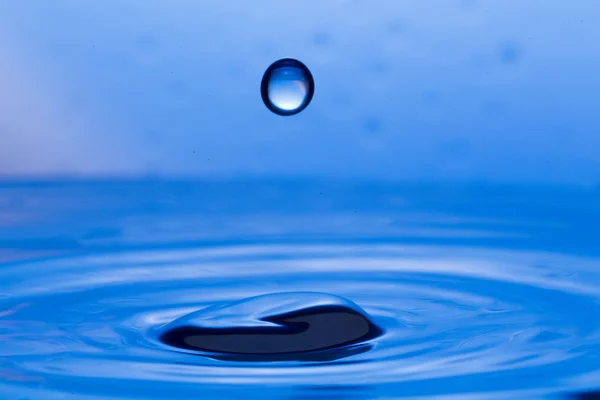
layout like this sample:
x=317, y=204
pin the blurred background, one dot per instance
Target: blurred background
x=450, y=90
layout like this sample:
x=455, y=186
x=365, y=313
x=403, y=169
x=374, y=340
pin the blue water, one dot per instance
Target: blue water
x=481, y=291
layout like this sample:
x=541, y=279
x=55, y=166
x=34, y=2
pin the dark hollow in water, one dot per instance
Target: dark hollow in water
x=585, y=396
x=300, y=326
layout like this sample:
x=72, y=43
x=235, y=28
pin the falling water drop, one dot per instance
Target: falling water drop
x=287, y=87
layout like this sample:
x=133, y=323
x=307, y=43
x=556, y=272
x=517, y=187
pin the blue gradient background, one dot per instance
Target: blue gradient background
x=135, y=130
x=440, y=91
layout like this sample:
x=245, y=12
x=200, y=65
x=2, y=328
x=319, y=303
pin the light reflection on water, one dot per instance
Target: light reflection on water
x=488, y=293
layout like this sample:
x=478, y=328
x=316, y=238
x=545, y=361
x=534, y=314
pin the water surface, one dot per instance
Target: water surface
x=482, y=292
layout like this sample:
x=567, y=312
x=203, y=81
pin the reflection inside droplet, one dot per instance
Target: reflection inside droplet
x=287, y=87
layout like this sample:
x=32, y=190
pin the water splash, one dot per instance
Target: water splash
x=274, y=327
x=501, y=307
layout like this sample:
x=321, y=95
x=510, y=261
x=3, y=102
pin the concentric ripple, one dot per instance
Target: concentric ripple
x=456, y=320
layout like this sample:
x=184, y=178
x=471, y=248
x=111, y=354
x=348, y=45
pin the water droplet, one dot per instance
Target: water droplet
x=287, y=87
x=281, y=326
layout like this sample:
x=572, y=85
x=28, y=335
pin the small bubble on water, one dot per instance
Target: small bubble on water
x=287, y=87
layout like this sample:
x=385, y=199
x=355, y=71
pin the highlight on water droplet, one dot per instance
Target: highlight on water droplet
x=287, y=87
